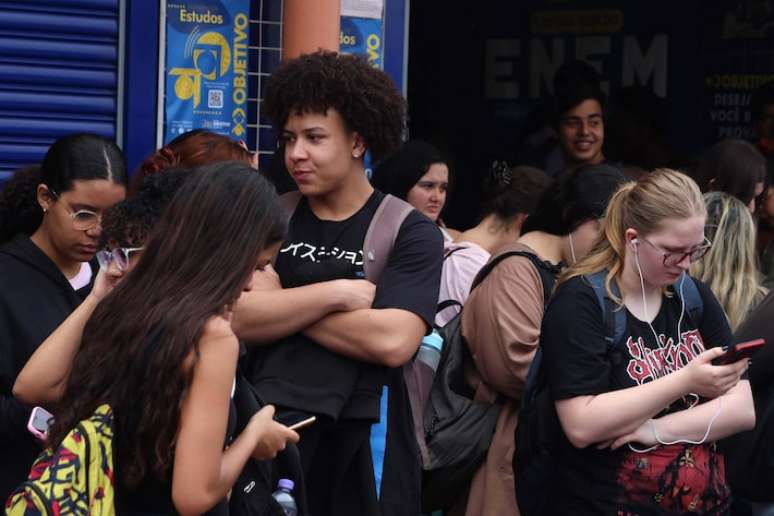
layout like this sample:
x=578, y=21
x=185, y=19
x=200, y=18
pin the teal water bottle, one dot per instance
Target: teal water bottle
x=430, y=350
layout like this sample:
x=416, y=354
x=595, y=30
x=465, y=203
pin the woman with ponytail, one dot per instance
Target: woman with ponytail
x=641, y=415
x=502, y=317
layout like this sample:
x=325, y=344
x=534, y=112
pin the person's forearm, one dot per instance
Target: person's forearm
x=729, y=414
x=44, y=376
x=264, y=316
x=388, y=336
x=591, y=419
x=232, y=463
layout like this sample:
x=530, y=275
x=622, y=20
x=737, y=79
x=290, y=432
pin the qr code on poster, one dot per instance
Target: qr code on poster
x=215, y=99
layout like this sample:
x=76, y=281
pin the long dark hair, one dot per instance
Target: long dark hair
x=196, y=262
x=731, y=166
x=76, y=156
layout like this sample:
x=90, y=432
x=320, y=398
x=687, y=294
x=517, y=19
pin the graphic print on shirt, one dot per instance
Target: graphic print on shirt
x=677, y=478
x=647, y=364
x=304, y=251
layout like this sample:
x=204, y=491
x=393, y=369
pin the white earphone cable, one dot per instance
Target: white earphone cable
x=658, y=343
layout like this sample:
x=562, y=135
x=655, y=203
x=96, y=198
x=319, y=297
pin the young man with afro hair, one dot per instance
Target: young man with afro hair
x=325, y=341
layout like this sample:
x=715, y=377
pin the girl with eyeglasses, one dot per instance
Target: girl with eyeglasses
x=640, y=416
x=125, y=228
x=46, y=275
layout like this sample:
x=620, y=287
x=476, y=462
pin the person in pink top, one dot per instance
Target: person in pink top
x=510, y=195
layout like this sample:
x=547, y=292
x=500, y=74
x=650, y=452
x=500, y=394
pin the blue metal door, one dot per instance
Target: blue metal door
x=59, y=73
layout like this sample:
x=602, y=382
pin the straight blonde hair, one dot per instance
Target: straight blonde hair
x=730, y=268
x=643, y=205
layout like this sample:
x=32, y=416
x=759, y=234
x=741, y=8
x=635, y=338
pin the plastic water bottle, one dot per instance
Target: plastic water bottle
x=430, y=350
x=284, y=496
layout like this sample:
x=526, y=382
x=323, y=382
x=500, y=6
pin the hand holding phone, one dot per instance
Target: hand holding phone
x=39, y=421
x=739, y=351
x=303, y=423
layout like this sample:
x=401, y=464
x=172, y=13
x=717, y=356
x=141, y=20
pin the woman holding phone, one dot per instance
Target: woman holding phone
x=168, y=326
x=640, y=421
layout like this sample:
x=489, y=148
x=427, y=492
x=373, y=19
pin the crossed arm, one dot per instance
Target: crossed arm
x=336, y=314
x=618, y=417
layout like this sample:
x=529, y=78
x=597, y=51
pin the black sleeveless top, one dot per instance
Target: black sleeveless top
x=152, y=496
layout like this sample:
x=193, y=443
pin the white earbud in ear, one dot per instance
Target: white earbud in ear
x=635, y=243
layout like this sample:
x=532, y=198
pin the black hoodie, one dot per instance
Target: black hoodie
x=35, y=298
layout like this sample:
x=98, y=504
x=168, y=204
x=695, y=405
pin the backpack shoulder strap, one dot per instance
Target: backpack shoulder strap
x=694, y=303
x=613, y=320
x=381, y=235
x=290, y=201
x=546, y=271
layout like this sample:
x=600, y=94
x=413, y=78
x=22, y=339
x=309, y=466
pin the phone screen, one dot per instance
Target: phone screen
x=40, y=420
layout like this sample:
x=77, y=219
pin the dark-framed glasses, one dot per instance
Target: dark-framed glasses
x=119, y=255
x=83, y=220
x=673, y=258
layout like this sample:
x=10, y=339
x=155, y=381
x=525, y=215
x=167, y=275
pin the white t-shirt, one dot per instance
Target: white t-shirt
x=83, y=277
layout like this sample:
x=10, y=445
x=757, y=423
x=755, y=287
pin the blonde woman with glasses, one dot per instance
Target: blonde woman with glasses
x=730, y=268
x=641, y=413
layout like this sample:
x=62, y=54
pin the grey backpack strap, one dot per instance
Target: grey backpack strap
x=290, y=201
x=381, y=235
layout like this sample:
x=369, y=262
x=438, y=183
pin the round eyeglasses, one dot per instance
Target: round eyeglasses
x=83, y=220
x=118, y=255
x=672, y=258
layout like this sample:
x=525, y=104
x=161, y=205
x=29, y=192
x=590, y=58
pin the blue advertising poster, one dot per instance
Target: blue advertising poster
x=206, y=67
x=363, y=36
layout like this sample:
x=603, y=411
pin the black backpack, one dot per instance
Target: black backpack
x=539, y=432
x=251, y=494
x=459, y=430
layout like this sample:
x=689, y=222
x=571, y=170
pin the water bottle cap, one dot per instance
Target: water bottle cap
x=286, y=483
x=433, y=340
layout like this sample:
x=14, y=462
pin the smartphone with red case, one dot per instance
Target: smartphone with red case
x=739, y=351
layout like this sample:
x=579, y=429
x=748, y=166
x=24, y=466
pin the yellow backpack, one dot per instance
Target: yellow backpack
x=74, y=479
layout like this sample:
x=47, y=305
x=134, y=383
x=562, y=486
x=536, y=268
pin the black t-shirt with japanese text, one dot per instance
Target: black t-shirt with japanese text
x=676, y=479
x=298, y=373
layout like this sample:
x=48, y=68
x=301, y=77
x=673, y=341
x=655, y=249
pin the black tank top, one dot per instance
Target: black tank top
x=152, y=496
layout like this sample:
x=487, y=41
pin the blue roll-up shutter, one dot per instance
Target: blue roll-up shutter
x=58, y=74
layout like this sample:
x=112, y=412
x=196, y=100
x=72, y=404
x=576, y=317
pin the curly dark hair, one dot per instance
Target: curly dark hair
x=19, y=208
x=365, y=97
x=128, y=223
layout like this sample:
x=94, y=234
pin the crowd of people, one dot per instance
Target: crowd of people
x=178, y=294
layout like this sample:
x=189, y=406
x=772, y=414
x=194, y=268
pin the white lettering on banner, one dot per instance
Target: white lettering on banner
x=499, y=79
x=653, y=63
x=543, y=66
x=543, y=57
x=589, y=47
